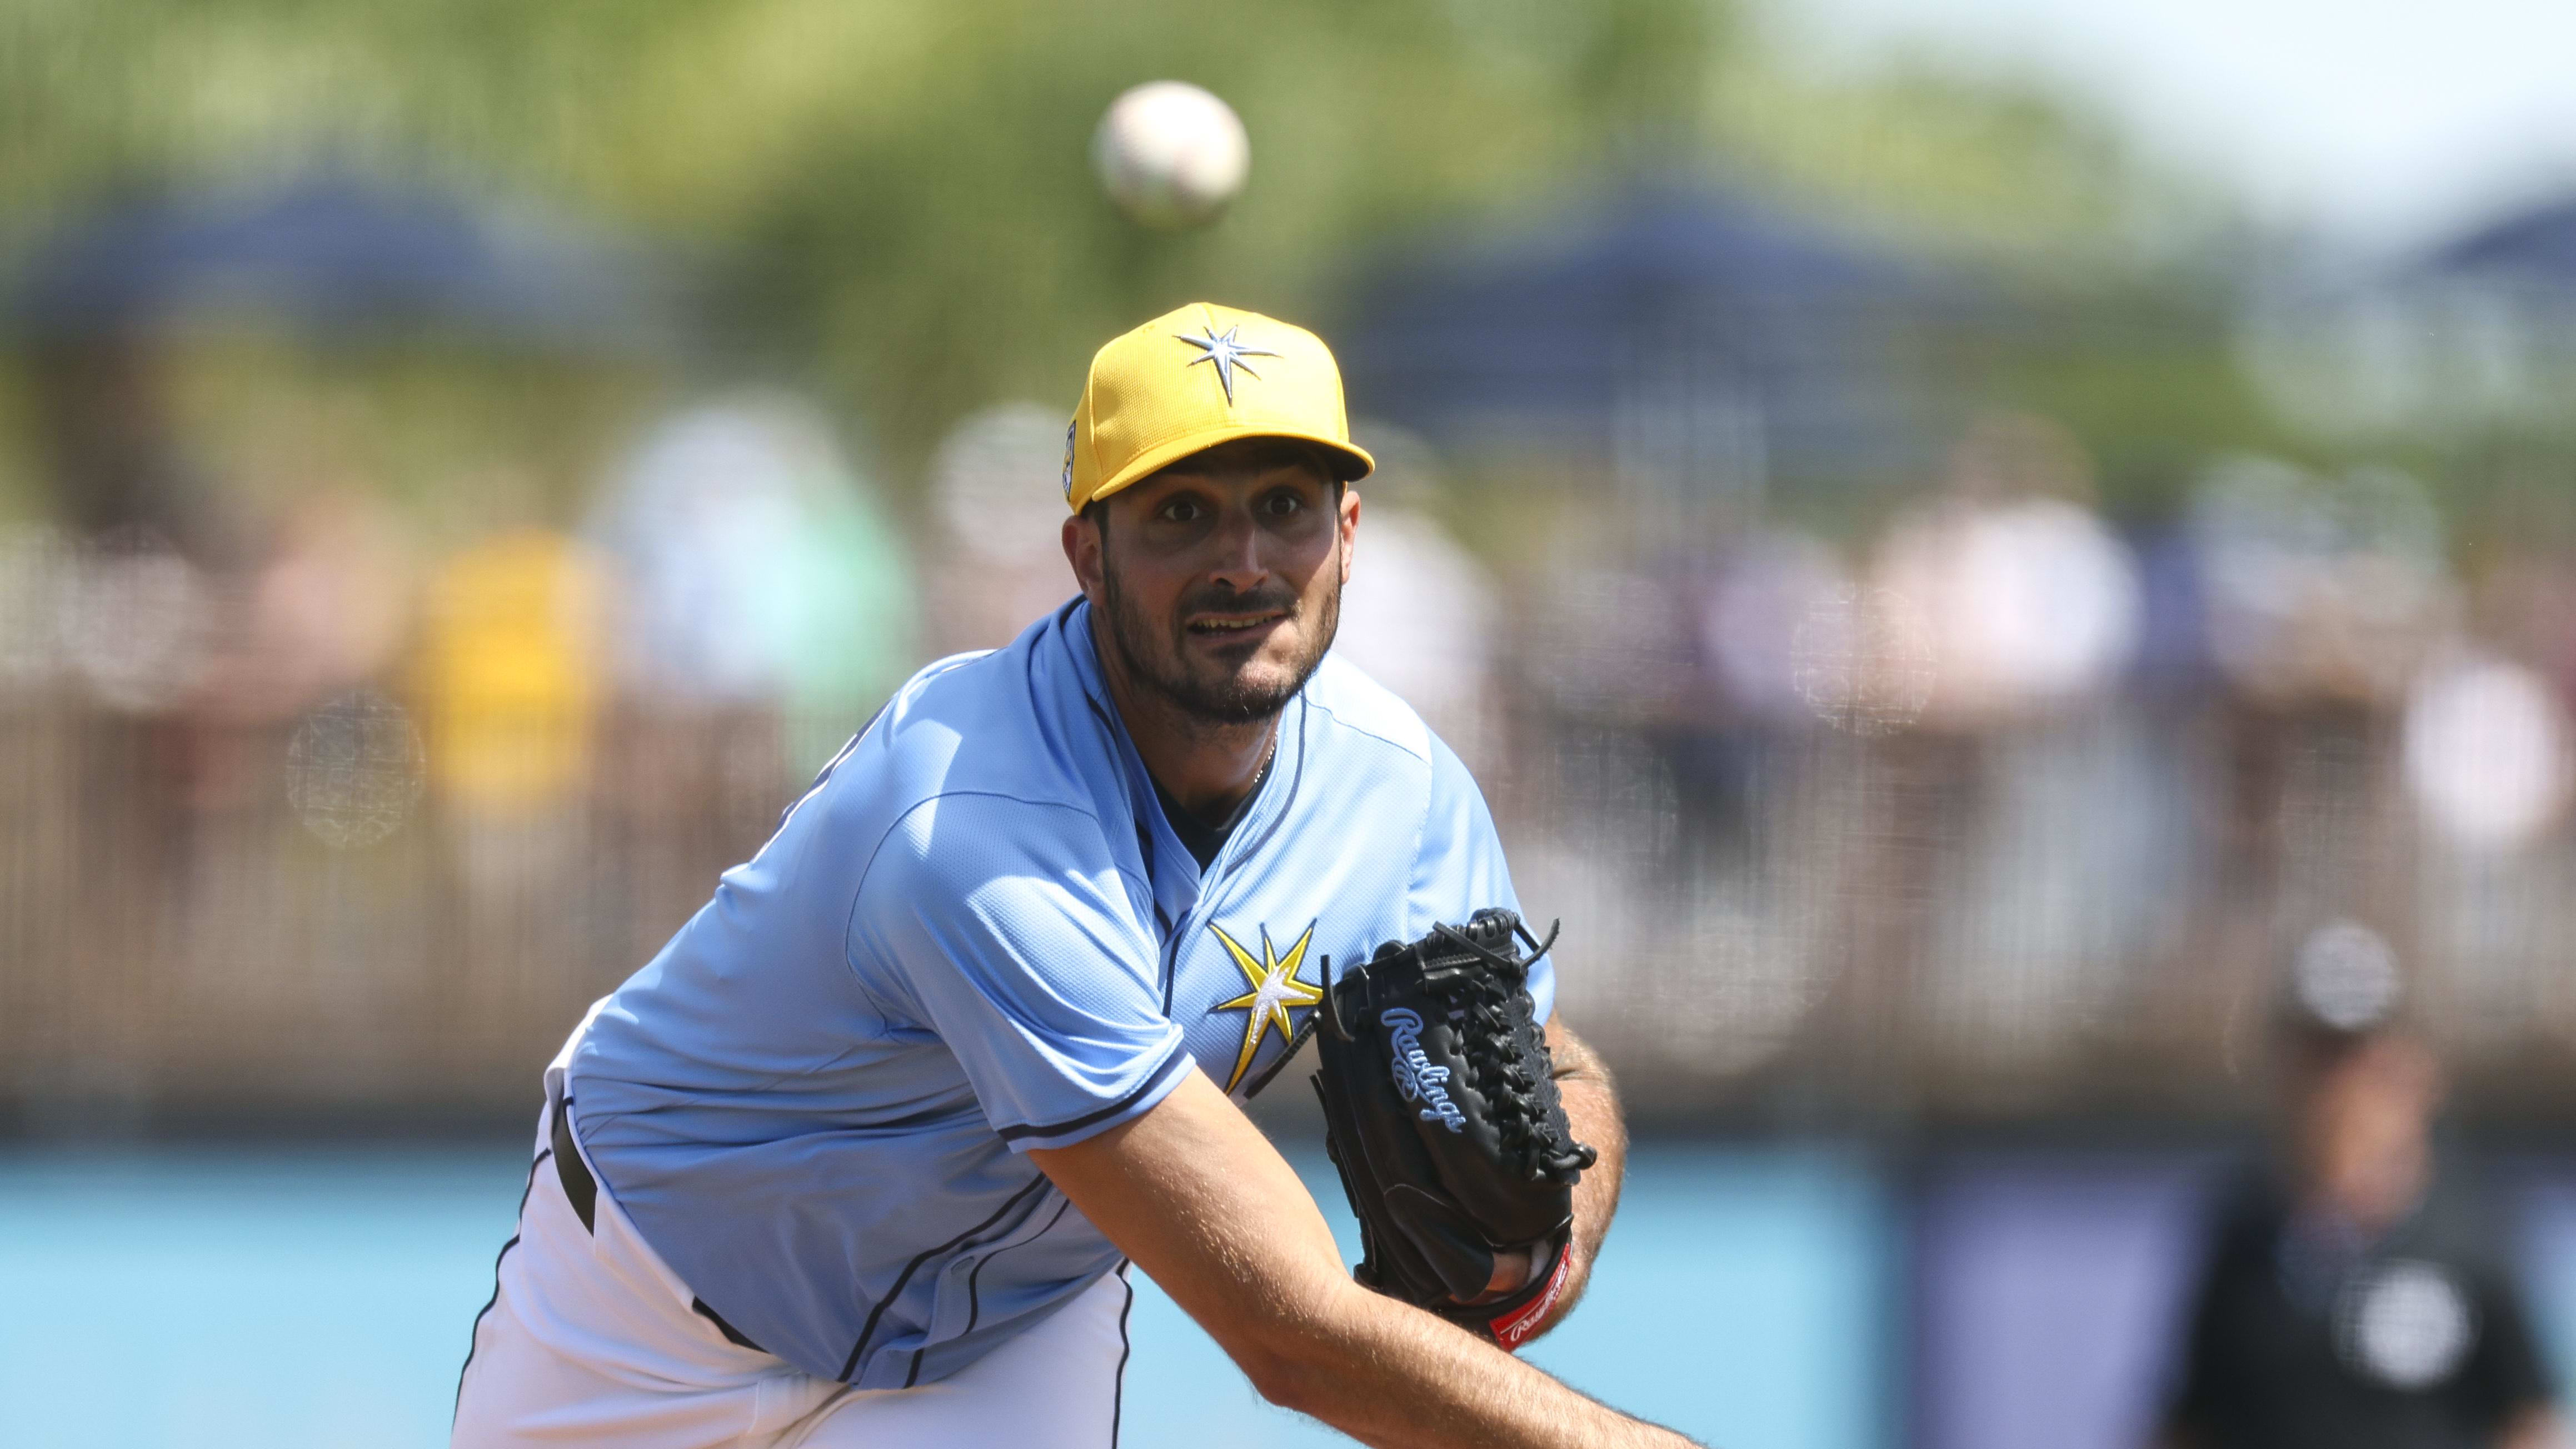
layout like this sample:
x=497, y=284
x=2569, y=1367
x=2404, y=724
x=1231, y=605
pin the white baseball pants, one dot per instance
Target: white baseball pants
x=591, y=1339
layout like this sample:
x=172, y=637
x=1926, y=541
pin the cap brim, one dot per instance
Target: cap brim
x=1357, y=463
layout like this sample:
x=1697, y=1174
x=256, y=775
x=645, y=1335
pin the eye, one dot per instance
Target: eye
x=1283, y=504
x=1181, y=510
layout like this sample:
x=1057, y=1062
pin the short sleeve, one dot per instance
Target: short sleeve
x=1459, y=868
x=1005, y=929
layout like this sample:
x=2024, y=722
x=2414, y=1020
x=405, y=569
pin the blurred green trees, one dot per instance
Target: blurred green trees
x=894, y=195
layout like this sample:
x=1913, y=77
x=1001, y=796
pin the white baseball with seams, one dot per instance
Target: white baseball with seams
x=1171, y=154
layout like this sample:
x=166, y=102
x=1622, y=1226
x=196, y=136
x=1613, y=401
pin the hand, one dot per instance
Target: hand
x=1514, y=1268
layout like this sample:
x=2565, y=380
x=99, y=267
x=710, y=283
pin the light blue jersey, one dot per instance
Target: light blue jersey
x=978, y=934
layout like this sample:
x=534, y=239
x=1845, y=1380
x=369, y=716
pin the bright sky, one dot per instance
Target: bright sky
x=2380, y=122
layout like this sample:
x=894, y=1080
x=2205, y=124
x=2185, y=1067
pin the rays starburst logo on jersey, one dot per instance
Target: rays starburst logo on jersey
x=1276, y=990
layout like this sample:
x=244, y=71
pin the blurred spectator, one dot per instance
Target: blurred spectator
x=1609, y=645
x=2319, y=590
x=2028, y=841
x=320, y=616
x=2486, y=759
x=1767, y=590
x=118, y=466
x=332, y=604
x=2322, y=598
x=1782, y=643
x=2523, y=595
x=2486, y=752
x=2353, y=1295
x=509, y=673
x=998, y=506
x=138, y=620
x=1418, y=613
x=2032, y=603
x=763, y=585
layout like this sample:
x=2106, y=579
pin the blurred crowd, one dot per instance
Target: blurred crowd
x=2035, y=796
x=2014, y=794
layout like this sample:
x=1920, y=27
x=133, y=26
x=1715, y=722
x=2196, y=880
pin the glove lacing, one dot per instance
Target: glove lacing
x=1541, y=1149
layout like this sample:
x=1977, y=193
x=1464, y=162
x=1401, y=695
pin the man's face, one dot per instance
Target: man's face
x=1220, y=577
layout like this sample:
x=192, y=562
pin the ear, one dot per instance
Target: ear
x=1349, y=524
x=1082, y=549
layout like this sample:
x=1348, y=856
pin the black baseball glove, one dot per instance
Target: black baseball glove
x=1443, y=1118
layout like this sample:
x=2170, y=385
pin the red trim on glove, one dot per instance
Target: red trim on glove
x=1517, y=1327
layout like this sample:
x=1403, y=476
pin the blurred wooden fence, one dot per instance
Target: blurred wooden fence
x=2070, y=918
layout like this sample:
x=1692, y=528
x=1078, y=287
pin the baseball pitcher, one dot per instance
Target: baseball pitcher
x=863, y=1157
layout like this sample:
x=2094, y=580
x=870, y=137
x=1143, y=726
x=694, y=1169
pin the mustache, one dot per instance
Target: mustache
x=1227, y=600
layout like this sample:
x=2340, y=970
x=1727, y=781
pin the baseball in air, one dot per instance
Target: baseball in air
x=1170, y=154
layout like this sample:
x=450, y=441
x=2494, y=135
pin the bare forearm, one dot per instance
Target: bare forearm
x=1194, y=1194
x=1393, y=1376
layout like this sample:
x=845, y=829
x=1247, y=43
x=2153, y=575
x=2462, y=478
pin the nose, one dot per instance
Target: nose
x=1238, y=562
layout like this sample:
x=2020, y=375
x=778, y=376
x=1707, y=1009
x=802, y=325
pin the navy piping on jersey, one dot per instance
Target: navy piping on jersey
x=974, y=1302
x=1145, y=835
x=975, y=1280
x=1050, y=1129
x=869, y=1329
x=1280, y=815
x=1144, y=832
x=1144, y=847
x=480, y=1314
x=1171, y=960
x=1118, y=1384
x=1203, y=910
x=913, y=1375
x=1270, y=827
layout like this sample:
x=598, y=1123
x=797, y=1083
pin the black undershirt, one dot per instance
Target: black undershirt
x=1200, y=838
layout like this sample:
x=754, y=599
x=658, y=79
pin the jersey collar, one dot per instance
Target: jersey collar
x=1167, y=858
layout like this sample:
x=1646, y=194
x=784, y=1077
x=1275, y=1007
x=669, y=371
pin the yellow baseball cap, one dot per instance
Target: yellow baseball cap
x=1193, y=378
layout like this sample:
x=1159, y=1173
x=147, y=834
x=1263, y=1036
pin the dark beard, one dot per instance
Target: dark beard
x=1234, y=702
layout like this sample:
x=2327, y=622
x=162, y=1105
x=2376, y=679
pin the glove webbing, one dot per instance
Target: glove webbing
x=1495, y=1071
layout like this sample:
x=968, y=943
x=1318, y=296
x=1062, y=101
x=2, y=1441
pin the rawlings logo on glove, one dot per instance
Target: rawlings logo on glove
x=1415, y=1077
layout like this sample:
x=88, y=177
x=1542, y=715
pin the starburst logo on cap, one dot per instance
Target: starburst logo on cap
x=1226, y=351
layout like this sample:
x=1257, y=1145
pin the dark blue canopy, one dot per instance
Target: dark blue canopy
x=340, y=254
x=1661, y=298
x=2539, y=243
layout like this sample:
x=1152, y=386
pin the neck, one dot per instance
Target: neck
x=2376, y=1189
x=1207, y=766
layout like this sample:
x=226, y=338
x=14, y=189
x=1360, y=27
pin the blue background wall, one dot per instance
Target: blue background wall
x=1785, y=1297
